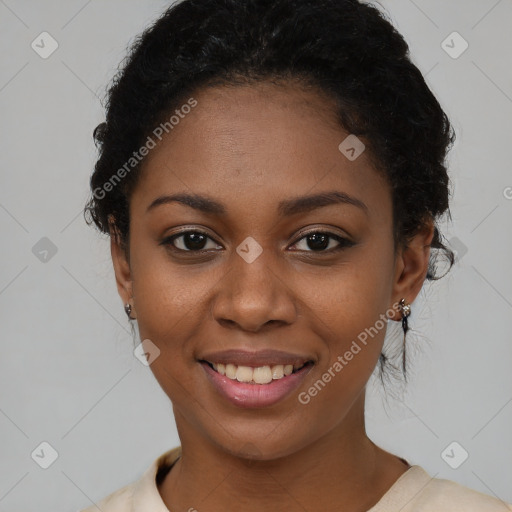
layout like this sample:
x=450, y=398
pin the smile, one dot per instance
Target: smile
x=255, y=380
x=256, y=375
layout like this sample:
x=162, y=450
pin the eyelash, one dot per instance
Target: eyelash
x=344, y=243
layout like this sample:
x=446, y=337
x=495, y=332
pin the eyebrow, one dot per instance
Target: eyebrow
x=285, y=208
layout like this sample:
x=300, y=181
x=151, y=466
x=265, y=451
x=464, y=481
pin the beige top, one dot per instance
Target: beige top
x=414, y=491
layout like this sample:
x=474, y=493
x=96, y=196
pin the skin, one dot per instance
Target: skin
x=250, y=147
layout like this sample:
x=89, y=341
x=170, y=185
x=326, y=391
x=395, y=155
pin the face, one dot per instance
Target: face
x=281, y=255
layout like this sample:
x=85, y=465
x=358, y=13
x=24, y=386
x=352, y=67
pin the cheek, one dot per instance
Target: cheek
x=351, y=298
x=352, y=324
x=354, y=341
x=167, y=295
x=172, y=307
x=349, y=310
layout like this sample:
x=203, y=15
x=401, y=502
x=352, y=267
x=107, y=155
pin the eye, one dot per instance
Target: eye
x=321, y=241
x=190, y=241
x=314, y=241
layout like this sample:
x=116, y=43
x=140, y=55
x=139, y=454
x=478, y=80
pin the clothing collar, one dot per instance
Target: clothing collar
x=147, y=497
x=145, y=493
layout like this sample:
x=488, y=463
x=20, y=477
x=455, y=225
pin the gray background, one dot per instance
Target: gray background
x=67, y=372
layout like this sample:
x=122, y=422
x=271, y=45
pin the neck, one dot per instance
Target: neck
x=342, y=470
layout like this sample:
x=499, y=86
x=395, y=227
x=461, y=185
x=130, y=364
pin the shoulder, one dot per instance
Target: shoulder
x=142, y=494
x=119, y=501
x=449, y=496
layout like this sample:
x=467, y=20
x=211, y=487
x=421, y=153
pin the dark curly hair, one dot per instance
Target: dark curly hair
x=343, y=48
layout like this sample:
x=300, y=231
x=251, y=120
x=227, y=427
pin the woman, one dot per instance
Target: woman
x=271, y=174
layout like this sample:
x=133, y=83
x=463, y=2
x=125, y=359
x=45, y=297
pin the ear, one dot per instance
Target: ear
x=121, y=265
x=411, y=266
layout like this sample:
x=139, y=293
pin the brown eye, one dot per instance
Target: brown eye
x=190, y=241
x=320, y=241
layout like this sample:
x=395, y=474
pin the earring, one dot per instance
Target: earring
x=128, y=310
x=405, y=310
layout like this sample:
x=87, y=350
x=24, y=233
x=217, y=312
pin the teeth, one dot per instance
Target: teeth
x=230, y=371
x=278, y=371
x=244, y=374
x=262, y=375
x=259, y=375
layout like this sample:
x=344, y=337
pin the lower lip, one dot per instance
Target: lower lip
x=243, y=394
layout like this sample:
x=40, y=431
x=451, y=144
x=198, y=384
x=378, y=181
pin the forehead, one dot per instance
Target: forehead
x=257, y=144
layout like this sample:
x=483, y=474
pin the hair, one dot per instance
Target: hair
x=345, y=49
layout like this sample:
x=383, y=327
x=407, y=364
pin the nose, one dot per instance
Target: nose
x=254, y=296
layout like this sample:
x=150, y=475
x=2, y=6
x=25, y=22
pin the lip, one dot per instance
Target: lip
x=256, y=358
x=246, y=395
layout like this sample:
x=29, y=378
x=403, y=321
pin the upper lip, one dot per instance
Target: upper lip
x=267, y=357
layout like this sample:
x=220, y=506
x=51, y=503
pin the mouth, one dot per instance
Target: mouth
x=255, y=379
x=264, y=374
